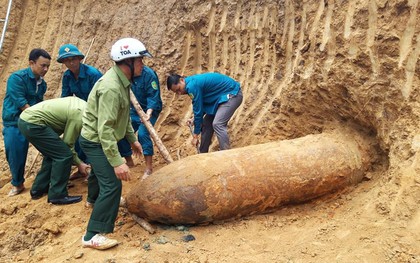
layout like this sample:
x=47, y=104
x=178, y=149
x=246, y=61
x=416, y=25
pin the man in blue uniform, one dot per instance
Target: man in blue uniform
x=78, y=80
x=215, y=98
x=147, y=91
x=25, y=88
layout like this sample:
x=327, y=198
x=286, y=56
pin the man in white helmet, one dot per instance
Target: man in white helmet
x=146, y=89
x=106, y=120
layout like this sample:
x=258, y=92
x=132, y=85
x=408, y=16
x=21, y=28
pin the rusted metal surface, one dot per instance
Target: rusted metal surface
x=255, y=179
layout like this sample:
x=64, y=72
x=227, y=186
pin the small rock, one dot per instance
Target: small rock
x=23, y=205
x=9, y=210
x=189, y=249
x=182, y=228
x=52, y=228
x=146, y=246
x=78, y=255
x=162, y=240
x=188, y=238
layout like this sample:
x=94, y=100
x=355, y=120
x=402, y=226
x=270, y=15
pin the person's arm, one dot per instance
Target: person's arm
x=149, y=114
x=108, y=108
x=197, y=102
x=154, y=101
x=70, y=135
x=136, y=148
x=16, y=89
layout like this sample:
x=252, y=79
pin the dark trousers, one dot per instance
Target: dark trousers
x=16, y=147
x=218, y=124
x=104, y=189
x=124, y=146
x=80, y=153
x=56, y=165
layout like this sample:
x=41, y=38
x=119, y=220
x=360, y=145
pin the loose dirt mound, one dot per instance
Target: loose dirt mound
x=305, y=67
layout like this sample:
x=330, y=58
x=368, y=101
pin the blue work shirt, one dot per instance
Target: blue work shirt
x=22, y=88
x=81, y=86
x=147, y=91
x=207, y=91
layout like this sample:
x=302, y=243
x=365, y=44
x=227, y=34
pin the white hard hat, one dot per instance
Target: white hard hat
x=128, y=48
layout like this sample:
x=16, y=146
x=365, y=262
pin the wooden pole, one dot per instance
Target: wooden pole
x=143, y=223
x=87, y=53
x=162, y=149
x=32, y=165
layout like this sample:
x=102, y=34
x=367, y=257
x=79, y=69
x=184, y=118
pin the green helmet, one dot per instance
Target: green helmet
x=68, y=50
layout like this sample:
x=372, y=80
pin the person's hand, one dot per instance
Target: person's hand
x=195, y=140
x=83, y=169
x=137, y=150
x=122, y=172
x=189, y=122
x=148, y=114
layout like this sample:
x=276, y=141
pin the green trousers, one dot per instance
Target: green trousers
x=104, y=188
x=58, y=158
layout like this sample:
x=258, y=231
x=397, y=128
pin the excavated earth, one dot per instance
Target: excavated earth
x=305, y=67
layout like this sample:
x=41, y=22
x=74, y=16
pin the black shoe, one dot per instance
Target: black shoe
x=66, y=200
x=37, y=194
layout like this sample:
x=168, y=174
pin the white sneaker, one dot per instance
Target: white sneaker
x=146, y=174
x=16, y=190
x=100, y=242
x=89, y=204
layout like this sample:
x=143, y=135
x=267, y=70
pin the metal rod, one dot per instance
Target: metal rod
x=9, y=7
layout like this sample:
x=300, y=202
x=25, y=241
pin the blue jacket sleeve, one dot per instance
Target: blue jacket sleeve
x=16, y=88
x=197, y=101
x=94, y=77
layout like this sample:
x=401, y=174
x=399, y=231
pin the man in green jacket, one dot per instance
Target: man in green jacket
x=42, y=124
x=106, y=120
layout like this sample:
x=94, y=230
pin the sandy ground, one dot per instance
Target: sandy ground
x=304, y=66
